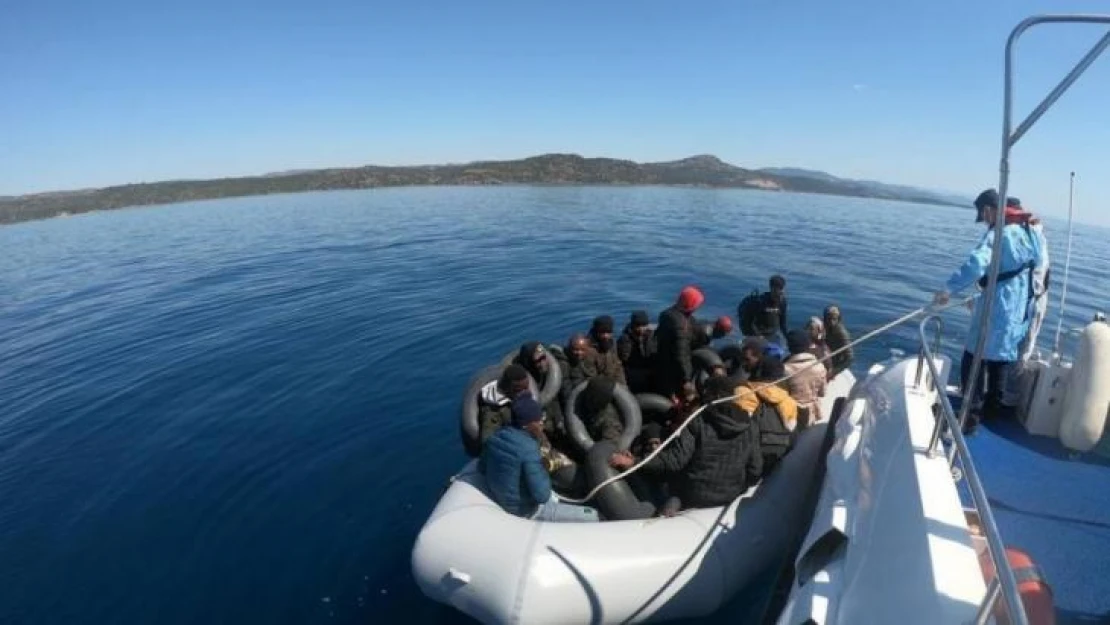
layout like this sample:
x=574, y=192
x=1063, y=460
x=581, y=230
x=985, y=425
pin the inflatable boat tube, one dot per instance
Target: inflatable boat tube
x=730, y=354
x=468, y=416
x=500, y=568
x=626, y=406
x=1083, y=418
x=617, y=501
x=705, y=359
x=653, y=407
x=554, y=380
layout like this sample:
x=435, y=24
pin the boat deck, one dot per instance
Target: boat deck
x=1055, y=506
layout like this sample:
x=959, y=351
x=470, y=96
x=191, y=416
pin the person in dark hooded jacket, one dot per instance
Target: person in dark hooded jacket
x=595, y=408
x=636, y=349
x=605, y=350
x=536, y=360
x=496, y=398
x=772, y=409
x=714, y=460
x=674, y=369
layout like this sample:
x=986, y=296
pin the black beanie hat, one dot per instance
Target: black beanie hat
x=528, y=351
x=597, y=394
x=717, y=387
x=640, y=318
x=797, y=341
x=602, y=325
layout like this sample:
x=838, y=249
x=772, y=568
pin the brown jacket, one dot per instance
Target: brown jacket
x=807, y=387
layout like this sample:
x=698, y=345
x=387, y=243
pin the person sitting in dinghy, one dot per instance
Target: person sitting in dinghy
x=808, y=377
x=705, y=332
x=837, y=338
x=495, y=399
x=712, y=462
x=579, y=364
x=535, y=359
x=636, y=349
x=774, y=411
x=514, y=469
x=601, y=340
x=595, y=408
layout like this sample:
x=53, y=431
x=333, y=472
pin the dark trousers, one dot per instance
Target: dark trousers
x=990, y=389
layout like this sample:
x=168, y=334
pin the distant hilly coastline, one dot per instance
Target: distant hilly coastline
x=565, y=169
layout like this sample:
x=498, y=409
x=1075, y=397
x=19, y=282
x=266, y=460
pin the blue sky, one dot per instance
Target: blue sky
x=98, y=93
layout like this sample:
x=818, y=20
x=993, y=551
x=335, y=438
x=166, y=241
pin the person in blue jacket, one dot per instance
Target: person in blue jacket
x=1013, y=300
x=514, y=470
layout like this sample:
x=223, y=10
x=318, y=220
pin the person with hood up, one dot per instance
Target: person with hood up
x=579, y=364
x=496, y=398
x=514, y=470
x=636, y=350
x=537, y=362
x=1013, y=298
x=601, y=339
x=772, y=408
x=595, y=409
x=713, y=461
x=836, y=338
x=674, y=369
x=809, y=381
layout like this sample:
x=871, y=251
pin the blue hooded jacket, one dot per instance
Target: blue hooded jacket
x=514, y=471
x=1009, y=322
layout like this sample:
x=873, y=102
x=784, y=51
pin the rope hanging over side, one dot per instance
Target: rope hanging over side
x=746, y=391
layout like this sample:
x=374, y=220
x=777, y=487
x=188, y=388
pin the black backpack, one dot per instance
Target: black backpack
x=748, y=311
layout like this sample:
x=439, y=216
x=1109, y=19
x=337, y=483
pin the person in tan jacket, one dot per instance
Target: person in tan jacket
x=808, y=386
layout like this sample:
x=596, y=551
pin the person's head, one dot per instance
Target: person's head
x=832, y=316
x=651, y=436
x=716, y=388
x=602, y=331
x=751, y=352
x=986, y=207
x=722, y=327
x=770, y=369
x=527, y=415
x=513, y=381
x=778, y=286
x=1013, y=202
x=640, y=323
x=798, y=341
x=597, y=395
x=577, y=347
x=690, y=298
x=816, y=329
x=533, y=357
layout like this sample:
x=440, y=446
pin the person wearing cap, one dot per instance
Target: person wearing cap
x=514, y=470
x=601, y=339
x=1011, y=311
x=674, y=369
x=706, y=332
x=838, y=340
x=808, y=380
x=636, y=350
x=495, y=399
x=534, y=358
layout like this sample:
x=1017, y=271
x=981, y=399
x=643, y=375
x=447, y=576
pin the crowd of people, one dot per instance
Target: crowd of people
x=717, y=457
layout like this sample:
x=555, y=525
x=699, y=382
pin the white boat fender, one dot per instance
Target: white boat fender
x=1083, y=418
x=653, y=407
x=554, y=382
x=468, y=415
x=617, y=501
x=627, y=407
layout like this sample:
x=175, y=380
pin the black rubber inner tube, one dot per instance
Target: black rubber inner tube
x=554, y=381
x=617, y=501
x=705, y=359
x=468, y=417
x=654, y=407
x=626, y=405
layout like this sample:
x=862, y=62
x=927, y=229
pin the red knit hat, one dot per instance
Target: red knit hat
x=724, y=324
x=690, y=298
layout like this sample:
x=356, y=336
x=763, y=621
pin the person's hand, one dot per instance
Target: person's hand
x=621, y=460
x=940, y=298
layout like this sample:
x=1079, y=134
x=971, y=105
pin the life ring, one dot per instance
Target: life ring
x=617, y=501
x=626, y=406
x=1036, y=594
x=653, y=407
x=468, y=416
x=554, y=381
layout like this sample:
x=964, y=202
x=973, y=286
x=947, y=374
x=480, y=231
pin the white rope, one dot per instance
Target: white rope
x=1067, y=268
x=747, y=391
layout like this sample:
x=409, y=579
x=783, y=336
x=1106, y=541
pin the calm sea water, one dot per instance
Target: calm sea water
x=241, y=411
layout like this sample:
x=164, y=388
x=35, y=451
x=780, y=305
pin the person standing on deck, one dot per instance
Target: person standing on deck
x=1017, y=214
x=1012, y=308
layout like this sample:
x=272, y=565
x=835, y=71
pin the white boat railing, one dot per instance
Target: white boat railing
x=1004, y=582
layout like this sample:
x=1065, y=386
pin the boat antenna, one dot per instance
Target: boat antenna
x=1067, y=269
